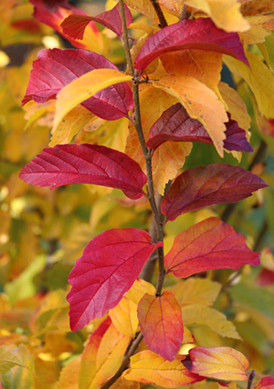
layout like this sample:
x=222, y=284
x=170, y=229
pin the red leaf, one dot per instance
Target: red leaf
x=56, y=68
x=210, y=244
x=199, y=34
x=74, y=25
x=53, y=12
x=110, y=264
x=266, y=277
x=160, y=320
x=201, y=186
x=176, y=125
x=85, y=164
x=265, y=383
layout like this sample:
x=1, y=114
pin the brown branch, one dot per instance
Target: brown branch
x=159, y=12
x=250, y=379
x=155, y=206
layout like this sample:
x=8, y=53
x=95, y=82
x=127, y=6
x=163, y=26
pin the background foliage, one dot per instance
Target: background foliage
x=43, y=232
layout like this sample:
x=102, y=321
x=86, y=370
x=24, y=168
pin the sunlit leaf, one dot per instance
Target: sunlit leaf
x=210, y=244
x=150, y=368
x=224, y=13
x=161, y=323
x=53, y=13
x=205, y=66
x=139, y=289
x=223, y=363
x=110, y=264
x=69, y=375
x=87, y=368
x=259, y=78
x=85, y=87
x=199, y=34
x=124, y=317
x=196, y=291
x=200, y=103
x=201, y=315
x=71, y=124
x=74, y=25
x=167, y=159
x=89, y=164
x=109, y=356
x=54, y=69
x=235, y=106
x=176, y=125
x=201, y=186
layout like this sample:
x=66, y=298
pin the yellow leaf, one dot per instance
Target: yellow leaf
x=201, y=103
x=151, y=368
x=71, y=124
x=235, y=106
x=168, y=158
x=36, y=111
x=257, y=32
x=9, y=358
x=124, y=317
x=196, y=291
x=121, y=383
x=203, y=315
x=223, y=363
x=224, y=13
x=205, y=66
x=69, y=375
x=109, y=355
x=144, y=7
x=83, y=88
x=259, y=78
x=139, y=289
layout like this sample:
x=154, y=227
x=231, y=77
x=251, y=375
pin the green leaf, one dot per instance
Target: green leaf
x=254, y=297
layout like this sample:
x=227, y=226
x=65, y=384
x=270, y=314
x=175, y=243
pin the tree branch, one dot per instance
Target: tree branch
x=159, y=12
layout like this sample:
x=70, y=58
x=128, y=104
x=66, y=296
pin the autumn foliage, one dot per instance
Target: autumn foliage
x=149, y=135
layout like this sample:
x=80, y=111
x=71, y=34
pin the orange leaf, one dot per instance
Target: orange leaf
x=124, y=317
x=200, y=102
x=222, y=363
x=170, y=157
x=161, y=323
x=151, y=368
x=205, y=66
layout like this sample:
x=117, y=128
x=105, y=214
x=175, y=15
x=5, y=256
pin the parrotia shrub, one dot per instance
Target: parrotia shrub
x=139, y=91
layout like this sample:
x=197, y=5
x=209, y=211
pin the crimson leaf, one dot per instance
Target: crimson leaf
x=52, y=13
x=210, y=244
x=199, y=34
x=176, y=125
x=85, y=164
x=74, y=25
x=201, y=186
x=56, y=68
x=110, y=264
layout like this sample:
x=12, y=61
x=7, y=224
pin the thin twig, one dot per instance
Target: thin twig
x=184, y=13
x=155, y=206
x=250, y=379
x=159, y=12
